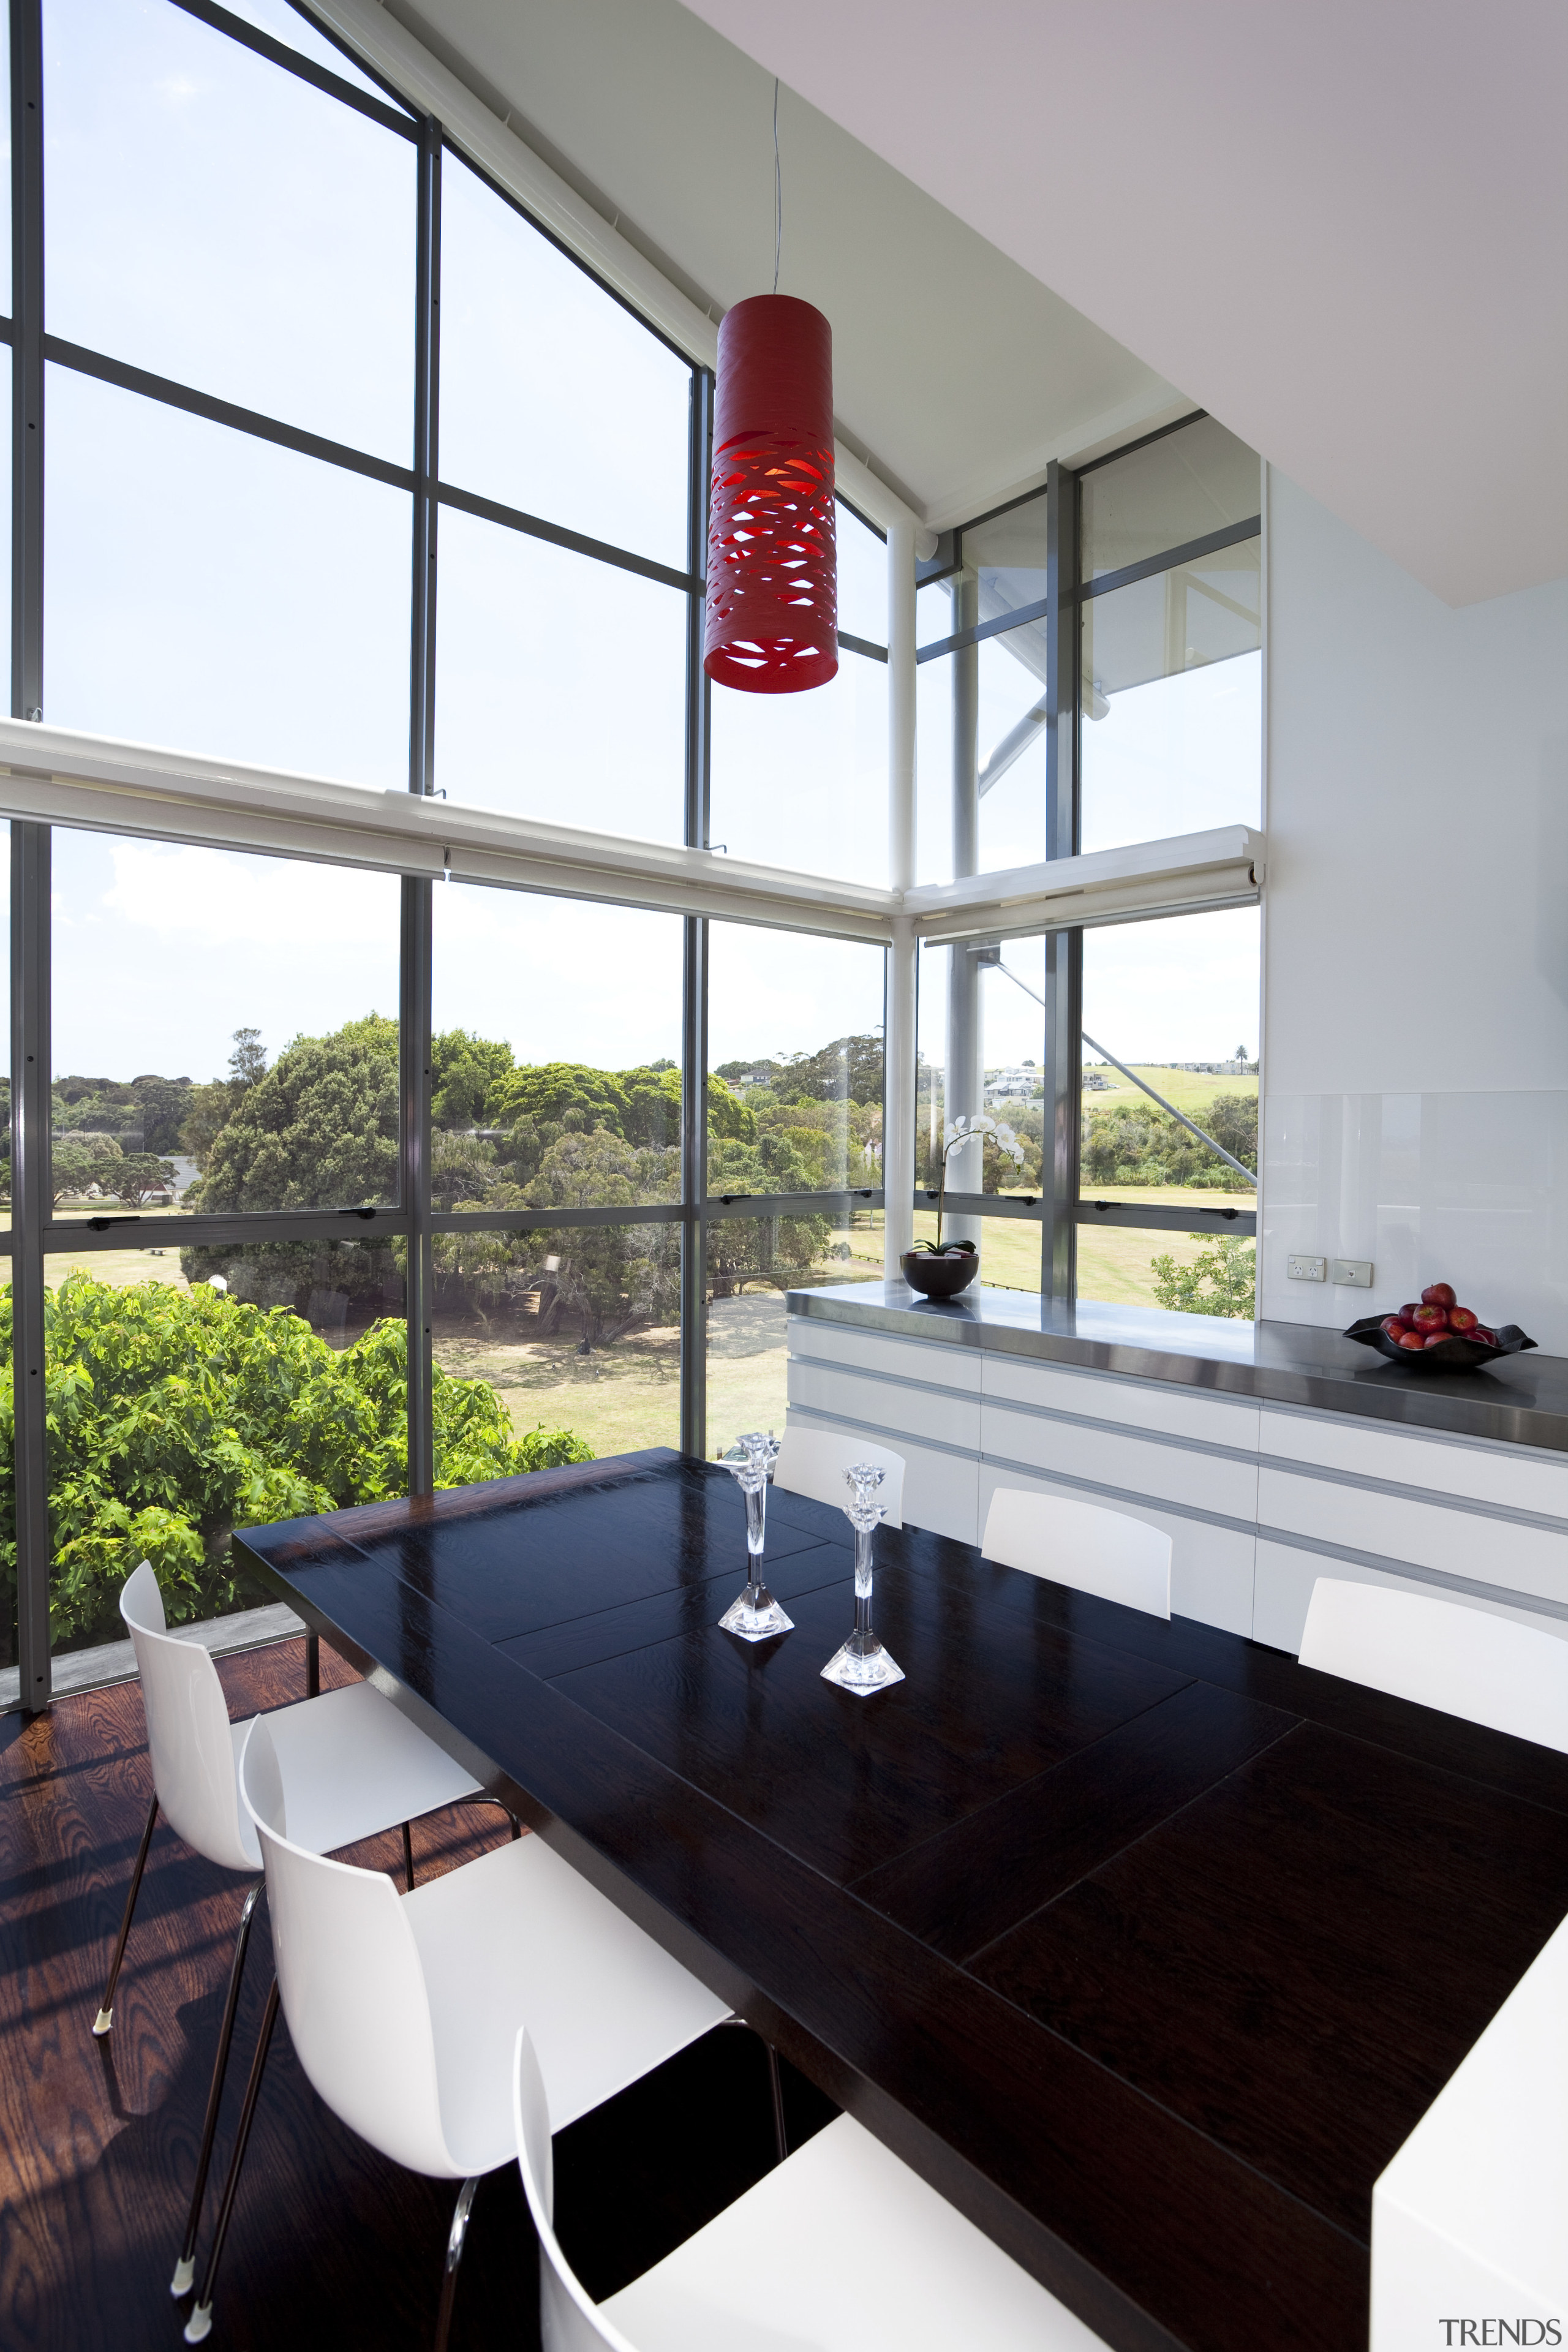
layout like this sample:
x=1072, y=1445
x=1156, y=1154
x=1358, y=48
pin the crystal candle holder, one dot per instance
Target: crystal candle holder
x=863, y=1665
x=755, y=1616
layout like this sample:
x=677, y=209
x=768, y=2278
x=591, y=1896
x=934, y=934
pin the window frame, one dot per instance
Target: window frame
x=36, y=1233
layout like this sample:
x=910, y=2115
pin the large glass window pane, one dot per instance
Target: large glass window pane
x=225, y=1030
x=1007, y=558
x=10, y=1679
x=933, y=770
x=214, y=218
x=556, y=1084
x=193, y=1392
x=554, y=399
x=561, y=684
x=795, y=1061
x=1172, y=739
x=4, y=173
x=5, y=372
x=1177, y=1003
x=985, y=1022
x=556, y=1079
x=1010, y=753
x=1172, y=490
x=752, y=1263
x=862, y=579
x=213, y=592
x=801, y=779
x=575, y=1328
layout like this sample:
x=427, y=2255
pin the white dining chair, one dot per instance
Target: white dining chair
x=841, y=2248
x=403, y=2011
x=813, y=1461
x=1466, y=1662
x=352, y=1766
x=1082, y=1544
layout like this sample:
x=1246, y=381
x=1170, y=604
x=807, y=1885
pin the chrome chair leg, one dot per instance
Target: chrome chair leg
x=456, y=2239
x=105, y=2018
x=185, y=2276
x=198, y=2327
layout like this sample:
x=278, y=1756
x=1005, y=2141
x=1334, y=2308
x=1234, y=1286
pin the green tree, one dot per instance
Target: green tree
x=1220, y=1281
x=209, y=1108
x=546, y=1091
x=134, y=1177
x=175, y=1416
x=1129, y=1143
x=317, y=1130
x=74, y=1167
x=465, y=1069
x=164, y=1105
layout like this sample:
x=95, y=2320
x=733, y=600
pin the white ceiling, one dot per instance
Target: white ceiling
x=1342, y=227
x=958, y=372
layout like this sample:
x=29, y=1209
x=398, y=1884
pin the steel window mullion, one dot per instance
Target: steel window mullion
x=426, y=423
x=1171, y=559
x=1063, y=1050
x=694, y=1187
x=29, y=1199
x=557, y=534
x=718, y=1207
x=695, y=942
x=546, y=1220
x=260, y=1227
x=278, y=53
x=1167, y=1221
x=414, y=1056
x=27, y=387
x=106, y=370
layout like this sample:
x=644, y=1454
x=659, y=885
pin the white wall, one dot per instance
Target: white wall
x=1415, y=940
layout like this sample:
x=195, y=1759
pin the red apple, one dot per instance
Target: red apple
x=1412, y=1339
x=1487, y=1338
x=1407, y=1315
x=1438, y=1294
x=1393, y=1326
x=1462, y=1319
x=1431, y=1316
x=1436, y=1338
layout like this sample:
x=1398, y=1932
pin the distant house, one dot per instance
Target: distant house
x=1020, y=1085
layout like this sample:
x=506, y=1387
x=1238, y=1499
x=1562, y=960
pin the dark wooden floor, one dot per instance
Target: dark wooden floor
x=331, y=2242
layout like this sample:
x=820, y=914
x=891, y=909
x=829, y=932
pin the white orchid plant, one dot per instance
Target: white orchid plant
x=965, y=1130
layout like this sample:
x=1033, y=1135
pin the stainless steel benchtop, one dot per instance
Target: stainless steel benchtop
x=1523, y=1401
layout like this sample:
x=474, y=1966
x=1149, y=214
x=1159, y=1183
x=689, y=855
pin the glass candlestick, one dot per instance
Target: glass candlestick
x=755, y=1616
x=863, y=1665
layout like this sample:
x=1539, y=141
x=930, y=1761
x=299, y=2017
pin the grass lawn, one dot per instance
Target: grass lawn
x=121, y=1269
x=1189, y=1090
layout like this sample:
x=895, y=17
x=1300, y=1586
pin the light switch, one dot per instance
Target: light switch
x=1355, y=1272
x=1305, y=1269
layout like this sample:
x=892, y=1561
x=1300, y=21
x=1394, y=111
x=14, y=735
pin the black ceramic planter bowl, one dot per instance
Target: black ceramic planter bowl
x=1454, y=1354
x=940, y=1278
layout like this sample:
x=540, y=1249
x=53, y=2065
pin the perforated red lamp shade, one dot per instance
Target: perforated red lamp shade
x=772, y=576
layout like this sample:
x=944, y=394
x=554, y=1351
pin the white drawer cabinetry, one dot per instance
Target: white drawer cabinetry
x=1259, y=1499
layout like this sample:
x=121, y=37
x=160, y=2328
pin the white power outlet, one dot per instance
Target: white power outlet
x=1305, y=1269
x=1355, y=1273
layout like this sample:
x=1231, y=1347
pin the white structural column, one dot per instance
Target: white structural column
x=964, y=1084
x=899, y=1115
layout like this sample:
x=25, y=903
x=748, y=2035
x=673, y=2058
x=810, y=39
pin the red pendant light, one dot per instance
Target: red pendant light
x=772, y=572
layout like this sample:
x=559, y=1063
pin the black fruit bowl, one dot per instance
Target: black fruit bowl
x=940, y=1276
x=1456, y=1353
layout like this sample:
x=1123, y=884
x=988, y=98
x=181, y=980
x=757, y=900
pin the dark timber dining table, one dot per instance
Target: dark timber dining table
x=1146, y=1946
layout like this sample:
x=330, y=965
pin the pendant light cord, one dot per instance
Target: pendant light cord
x=778, y=190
